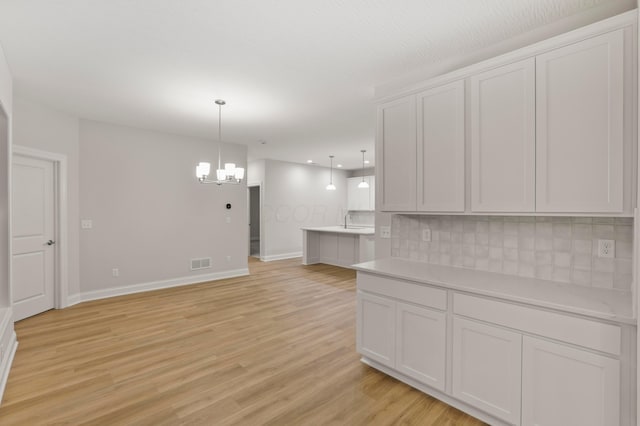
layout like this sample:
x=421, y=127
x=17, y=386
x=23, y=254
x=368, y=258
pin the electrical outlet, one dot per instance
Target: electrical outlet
x=606, y=248
x=86, y=223
x=115, y=272
x=385, y=232
x=228, y=258
x=426, y=235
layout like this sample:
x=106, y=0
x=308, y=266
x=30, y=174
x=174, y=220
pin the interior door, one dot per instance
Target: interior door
x=33, y=236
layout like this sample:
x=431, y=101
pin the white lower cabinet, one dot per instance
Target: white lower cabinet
x=420, y=344
x=486, y=368
x=375, y=325
x=507, y=363
x=562, y=385
x=408, y=338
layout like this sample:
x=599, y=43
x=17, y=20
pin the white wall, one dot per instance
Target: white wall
x=7, y=333
x=47, y=129
x=150, y=215
x=255, y=172
x=6, y=105
x=294, y=196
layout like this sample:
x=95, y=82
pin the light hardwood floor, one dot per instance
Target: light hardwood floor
x=276, y=347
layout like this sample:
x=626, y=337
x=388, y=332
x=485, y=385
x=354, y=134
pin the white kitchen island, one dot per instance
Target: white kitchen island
x=337, y=245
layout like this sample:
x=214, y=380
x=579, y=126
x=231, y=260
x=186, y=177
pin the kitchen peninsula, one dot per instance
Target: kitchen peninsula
x=337, y=245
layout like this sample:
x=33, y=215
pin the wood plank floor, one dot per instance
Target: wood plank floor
x=273, y=348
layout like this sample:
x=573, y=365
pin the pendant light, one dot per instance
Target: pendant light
x=331, y=186
x=363, y=184
x=230, y=173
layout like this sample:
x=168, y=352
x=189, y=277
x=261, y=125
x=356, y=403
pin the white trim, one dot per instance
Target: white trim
x=281, y=256
x=9, y=155
x=156, y=285
x=9, y=346
x=62, y=234
x=74, y=299
x=6, y=365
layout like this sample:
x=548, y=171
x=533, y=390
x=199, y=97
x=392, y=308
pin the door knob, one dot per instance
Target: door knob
x=50, y=242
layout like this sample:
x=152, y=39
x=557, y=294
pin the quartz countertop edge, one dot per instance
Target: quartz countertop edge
x=605, y=304
x=342, y=230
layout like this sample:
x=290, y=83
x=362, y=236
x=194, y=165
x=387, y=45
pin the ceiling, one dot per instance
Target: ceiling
x=296, y=74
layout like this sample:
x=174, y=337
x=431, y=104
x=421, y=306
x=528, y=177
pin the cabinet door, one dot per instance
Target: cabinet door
x=441, y=149
x=503, y=139
x=567, y=386
x=486, y=368
x=375, y=325
x=396, y=154
x=420, y=344
x=579, y=153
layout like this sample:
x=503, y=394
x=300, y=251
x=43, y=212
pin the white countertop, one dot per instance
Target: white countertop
x=594, y=302
x=342, y=230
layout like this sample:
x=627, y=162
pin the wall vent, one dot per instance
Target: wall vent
x=202, y=263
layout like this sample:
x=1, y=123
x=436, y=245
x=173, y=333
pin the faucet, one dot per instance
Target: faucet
x=345, y=220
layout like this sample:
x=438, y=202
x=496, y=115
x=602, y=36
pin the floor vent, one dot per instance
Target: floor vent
x=203, y=263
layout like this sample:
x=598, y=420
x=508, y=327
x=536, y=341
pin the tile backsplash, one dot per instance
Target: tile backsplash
x=361, y=218
x=562, y=249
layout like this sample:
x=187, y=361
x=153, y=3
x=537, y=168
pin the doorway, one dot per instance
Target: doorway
x=254, y=221
x=38, y=241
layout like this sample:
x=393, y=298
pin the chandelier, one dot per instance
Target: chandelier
x=230, y=173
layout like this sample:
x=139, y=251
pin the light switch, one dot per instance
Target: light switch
x=86, y=224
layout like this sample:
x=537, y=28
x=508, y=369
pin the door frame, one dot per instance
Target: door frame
x=61, y=233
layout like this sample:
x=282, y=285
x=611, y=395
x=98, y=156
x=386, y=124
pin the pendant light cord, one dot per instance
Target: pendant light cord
x=331, y=170
x=219, y=133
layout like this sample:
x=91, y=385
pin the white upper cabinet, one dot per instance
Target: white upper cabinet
x=579, y=158
x=547, y=129
x=503, y=139
x=361, y=198
x=396, y=154
x=440, y=149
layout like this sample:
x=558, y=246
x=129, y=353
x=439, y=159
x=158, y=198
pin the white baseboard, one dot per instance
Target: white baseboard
x=281, y=256
x=155, y=285
x=9, y=346
x=73, y=299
